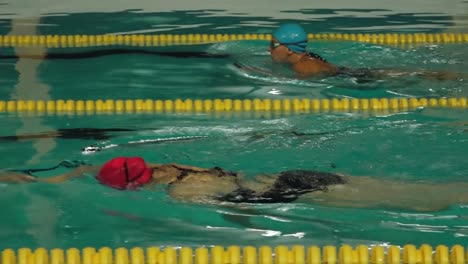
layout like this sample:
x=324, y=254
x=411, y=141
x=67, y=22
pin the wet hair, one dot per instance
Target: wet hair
x=287, y=188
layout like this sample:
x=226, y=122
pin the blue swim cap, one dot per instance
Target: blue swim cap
x=293, y=36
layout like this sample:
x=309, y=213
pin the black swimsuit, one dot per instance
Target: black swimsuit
x=287, y=187
x=316, y=56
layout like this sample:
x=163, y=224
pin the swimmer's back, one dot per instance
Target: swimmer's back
x=204, y=185
x=311, y=67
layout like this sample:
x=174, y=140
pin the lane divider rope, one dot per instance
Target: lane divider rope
x=84, y=40
x=101, y=106
x=297, y=254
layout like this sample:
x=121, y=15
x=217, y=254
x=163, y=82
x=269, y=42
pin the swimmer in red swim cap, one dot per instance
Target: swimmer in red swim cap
x=125, y=173
x=196, y=184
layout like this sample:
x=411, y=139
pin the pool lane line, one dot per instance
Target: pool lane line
x=142, y=40
x=155, y=106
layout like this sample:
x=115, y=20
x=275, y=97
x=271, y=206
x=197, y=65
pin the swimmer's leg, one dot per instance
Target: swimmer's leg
x=441, y=76
x=364, y=75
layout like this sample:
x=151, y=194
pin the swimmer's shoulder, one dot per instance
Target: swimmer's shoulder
x=310, y=67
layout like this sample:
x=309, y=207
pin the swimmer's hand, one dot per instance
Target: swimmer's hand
x=25, y=178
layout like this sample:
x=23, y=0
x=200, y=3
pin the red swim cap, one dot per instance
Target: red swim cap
x=124, y=173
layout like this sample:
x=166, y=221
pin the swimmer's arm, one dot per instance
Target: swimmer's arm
x=77, y=172
x=17, y=178
x=25, y=178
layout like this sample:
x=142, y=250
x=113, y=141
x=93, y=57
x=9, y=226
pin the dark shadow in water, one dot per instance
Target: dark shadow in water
x=111, y=52
x=71, y=133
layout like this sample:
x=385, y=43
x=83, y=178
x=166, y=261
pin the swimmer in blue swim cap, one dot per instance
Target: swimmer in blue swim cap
x=288, y=45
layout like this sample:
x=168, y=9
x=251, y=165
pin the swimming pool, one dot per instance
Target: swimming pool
x=426, y=144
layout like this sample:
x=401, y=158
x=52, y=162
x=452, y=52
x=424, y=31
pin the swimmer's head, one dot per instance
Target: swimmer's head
x=292, y=36
x=125, y=173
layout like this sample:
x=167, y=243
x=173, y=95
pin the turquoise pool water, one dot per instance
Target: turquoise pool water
x=420, y=145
